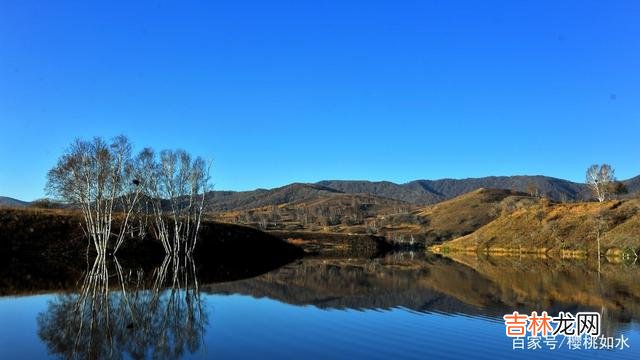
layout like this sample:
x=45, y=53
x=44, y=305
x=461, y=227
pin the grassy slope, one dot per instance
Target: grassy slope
x=452, y=218
x=396, y=220
x=548, y=227
x=467, y=213
x=342, y=213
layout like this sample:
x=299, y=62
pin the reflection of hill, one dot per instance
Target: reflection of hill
x=546, y=282
x=486, y=287
x=349, y=283
x=550, y=227
x=398, y=223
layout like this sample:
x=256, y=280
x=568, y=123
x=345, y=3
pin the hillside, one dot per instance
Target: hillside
x=398, y=221
x=567, y=229
x=232, y=200
x=410, y=192
x=11, y=202
x=319, y=211
x=467, y=213
x=450, y=219
x=633, y=184
x=426, y=192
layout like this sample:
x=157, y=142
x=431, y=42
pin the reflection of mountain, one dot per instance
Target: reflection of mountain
x=542, y=282
x=349, y=283
x=487, y=287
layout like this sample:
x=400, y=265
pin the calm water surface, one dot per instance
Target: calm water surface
x=403, y=306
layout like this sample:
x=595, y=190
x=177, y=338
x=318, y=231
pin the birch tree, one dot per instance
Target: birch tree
x=98, y=178
x=599, y=180
x=175, y=186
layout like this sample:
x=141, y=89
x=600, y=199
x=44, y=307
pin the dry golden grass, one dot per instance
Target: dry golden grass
x=564, y=229
x=466, y=213
x=433, y=224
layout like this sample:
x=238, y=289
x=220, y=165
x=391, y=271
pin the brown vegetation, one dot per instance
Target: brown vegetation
x=397, y=221
x=547, y=227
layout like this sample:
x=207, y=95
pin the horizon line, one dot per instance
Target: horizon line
x=364, y=180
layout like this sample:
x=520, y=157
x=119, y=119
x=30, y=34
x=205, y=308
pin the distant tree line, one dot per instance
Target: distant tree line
x=354, y=212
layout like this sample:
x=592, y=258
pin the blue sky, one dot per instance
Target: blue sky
x=282, y=91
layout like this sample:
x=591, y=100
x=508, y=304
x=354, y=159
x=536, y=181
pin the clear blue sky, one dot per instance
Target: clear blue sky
x=282, y=91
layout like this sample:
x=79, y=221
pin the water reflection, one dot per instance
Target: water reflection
x=471, y=285
x=119, y=313
x=162, y=313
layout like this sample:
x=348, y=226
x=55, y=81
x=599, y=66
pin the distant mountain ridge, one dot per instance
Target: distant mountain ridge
x=7, y=201
x=426, y=192
x=418, y=192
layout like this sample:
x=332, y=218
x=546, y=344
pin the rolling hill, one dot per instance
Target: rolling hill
x=567, y=228
x=315, y=211
x=232, y=200
x=425, y=192
x=398, y=221
x=11, y=202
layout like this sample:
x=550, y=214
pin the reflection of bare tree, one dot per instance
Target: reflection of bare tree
x=164, y=321
x=178, y=310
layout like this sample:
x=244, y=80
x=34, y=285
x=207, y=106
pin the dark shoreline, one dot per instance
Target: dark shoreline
x=45, y=249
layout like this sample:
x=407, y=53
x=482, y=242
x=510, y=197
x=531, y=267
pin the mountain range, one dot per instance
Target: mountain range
x=418, y=192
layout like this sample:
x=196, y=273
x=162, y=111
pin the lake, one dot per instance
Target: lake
x=402, y=306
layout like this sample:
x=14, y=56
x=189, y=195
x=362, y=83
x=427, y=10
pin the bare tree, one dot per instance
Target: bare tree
x=176, y=187
x=599, y=180
x=98, y=177
x=105, y=183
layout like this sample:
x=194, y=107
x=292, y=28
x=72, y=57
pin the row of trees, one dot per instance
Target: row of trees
x=105, y=180
x=350, y=213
